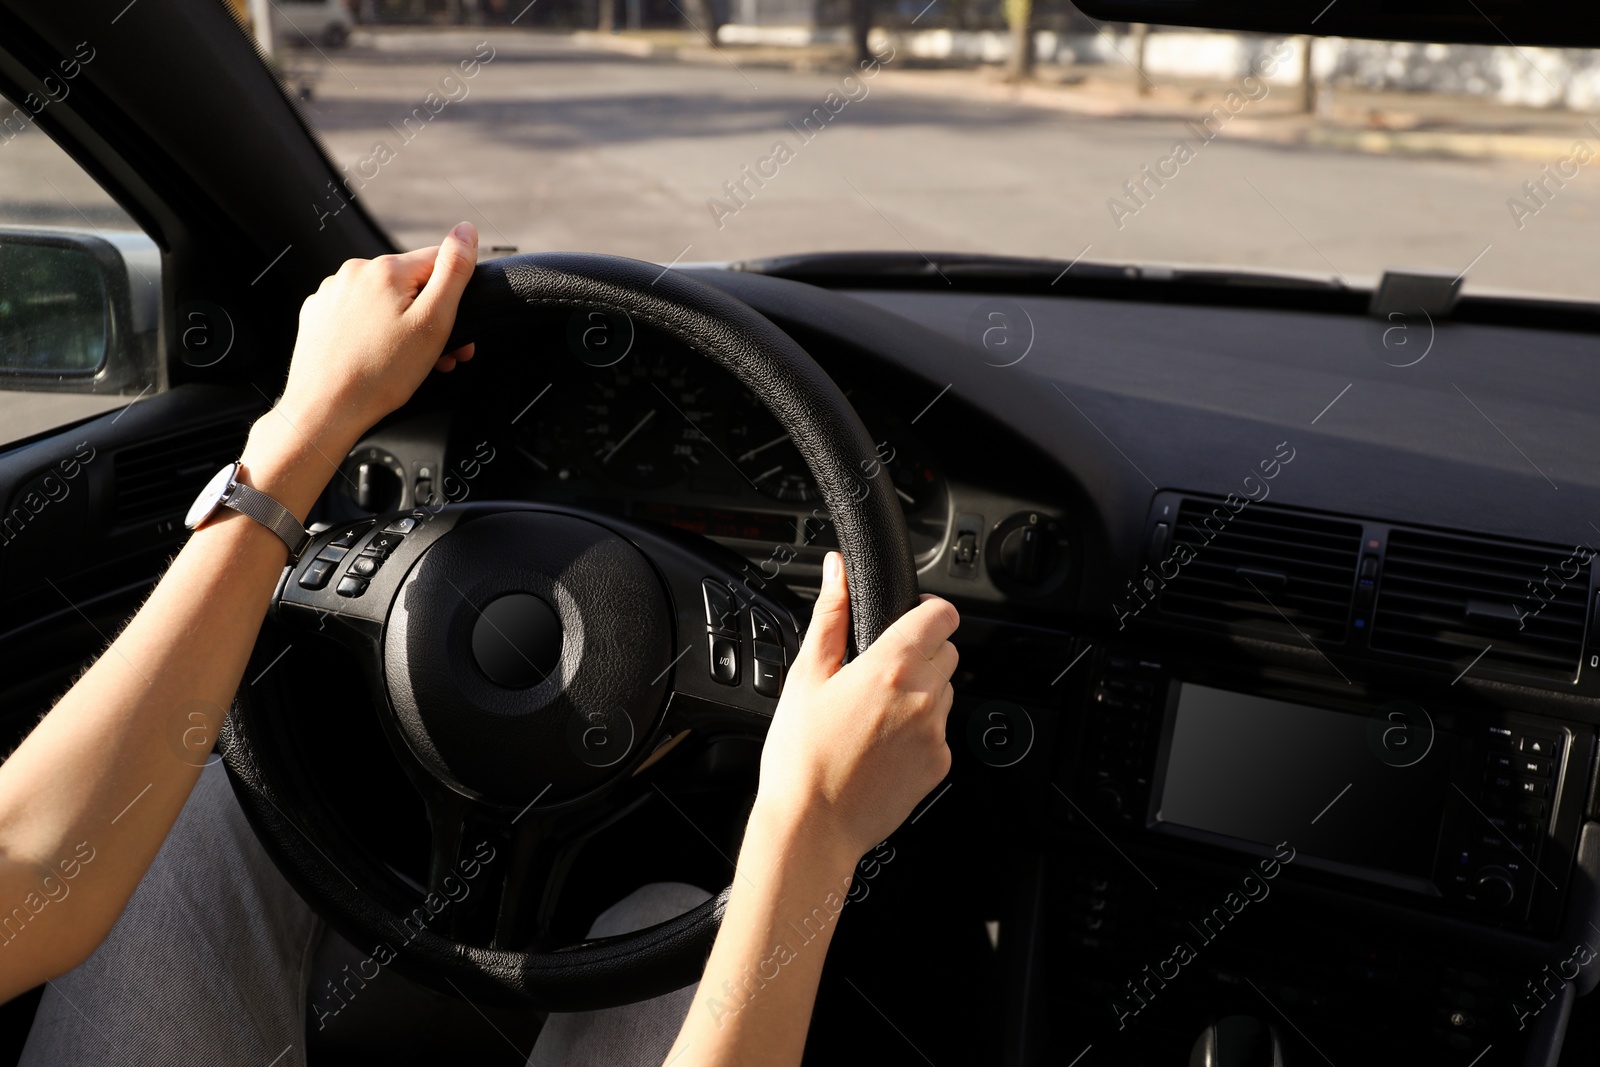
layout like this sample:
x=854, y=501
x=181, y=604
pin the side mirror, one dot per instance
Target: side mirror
x=79, y=314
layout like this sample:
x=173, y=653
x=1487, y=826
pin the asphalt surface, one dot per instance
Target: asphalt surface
x=558, y=145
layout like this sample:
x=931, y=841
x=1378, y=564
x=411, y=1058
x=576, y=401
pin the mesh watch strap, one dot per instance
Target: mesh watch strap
x=271, y=514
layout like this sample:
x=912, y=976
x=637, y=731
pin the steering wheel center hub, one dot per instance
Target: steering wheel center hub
x=516, y=641
x=526, y=655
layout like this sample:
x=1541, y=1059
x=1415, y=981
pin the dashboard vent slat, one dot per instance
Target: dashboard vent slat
x=158, y=480
x=1309, y=564
x=1449, y=598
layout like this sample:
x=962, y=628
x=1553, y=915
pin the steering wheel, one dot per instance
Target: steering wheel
x=525, y=660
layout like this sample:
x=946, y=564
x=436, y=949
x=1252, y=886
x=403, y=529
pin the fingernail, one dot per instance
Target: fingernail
x=465, y=233
x=830, y=568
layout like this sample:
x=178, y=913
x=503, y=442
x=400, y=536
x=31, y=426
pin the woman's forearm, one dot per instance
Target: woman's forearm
x=754, y=1001
x=88, y=797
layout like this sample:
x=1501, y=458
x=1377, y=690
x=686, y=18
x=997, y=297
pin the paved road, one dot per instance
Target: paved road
x=556, y=146
x=559, y=145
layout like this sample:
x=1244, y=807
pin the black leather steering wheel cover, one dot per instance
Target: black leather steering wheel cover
x=257, y=742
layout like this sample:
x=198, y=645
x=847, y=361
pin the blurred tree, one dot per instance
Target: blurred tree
x=1019, y=16
x=861, y=29
x=702, y=16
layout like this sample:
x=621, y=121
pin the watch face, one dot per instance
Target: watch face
x=210, y=496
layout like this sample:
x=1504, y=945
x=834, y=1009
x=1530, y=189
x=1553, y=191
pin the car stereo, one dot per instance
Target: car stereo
x=1468, y=812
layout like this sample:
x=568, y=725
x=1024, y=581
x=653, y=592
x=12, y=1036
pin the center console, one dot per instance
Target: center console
x=1311, y=851
x=1464, y=811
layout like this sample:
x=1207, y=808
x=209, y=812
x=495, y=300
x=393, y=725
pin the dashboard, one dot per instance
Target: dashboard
x=596, y=413
x=1240, y=596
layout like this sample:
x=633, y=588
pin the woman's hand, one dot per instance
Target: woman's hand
x=853, y=748
x=368, y=337
x=851, y=751
x=371, y=333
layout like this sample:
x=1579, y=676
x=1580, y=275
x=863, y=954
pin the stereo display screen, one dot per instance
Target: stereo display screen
x=1357, y=790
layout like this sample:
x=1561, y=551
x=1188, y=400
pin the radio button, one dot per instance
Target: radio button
x=1529, y=788
x=1503, y=761
x=1539, y=767
x=1529, y=807
x=1535, y=746
x=1502, y=781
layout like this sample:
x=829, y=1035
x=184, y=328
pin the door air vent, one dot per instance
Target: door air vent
x=156, y=481
x=1449, y=598
x=1264, y=572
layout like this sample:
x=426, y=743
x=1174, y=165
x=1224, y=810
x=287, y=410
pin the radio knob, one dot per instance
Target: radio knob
x=1494, y=887
x=1108, y=799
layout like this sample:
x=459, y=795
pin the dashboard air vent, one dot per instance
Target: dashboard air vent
x=1450, y=598
x=158, y=480
x=1266, y=572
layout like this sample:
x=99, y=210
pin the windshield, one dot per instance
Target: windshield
x=1123, y=144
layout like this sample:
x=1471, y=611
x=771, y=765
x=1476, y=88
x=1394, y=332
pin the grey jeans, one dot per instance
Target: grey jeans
x=212, y=958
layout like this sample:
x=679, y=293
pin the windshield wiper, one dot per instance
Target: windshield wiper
x=968, y=270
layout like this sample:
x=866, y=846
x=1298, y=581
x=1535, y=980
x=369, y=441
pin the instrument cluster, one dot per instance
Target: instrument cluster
x=671, y=436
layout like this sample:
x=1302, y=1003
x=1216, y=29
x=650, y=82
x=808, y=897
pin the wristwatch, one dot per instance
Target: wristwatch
x=226, y=490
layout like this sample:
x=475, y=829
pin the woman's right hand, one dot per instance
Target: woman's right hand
x=854, y=747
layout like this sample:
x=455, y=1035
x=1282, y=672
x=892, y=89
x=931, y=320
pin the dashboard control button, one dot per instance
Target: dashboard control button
x=964, y=546
x=333, y=553
x=317, y=575
x=1537, y=767
x=364, y=566
x=724, y=660
x=767, y=676
x=349, y=586
x=402, y=526
x=763, y=627
x=1530, y=788
x=722, y=610
x=1534, y=746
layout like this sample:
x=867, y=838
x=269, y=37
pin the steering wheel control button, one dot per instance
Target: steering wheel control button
x=333, y=553
x=724, y=660
x=382, y=544
x=1000, y=733
x=722, y=610
x=349, y=538
x=349, y=586
x=317, y=575
x=769, y=653
x=763, y=627
x=766, y=675
x=517, y=641
x=364, y=567
x=402, y=526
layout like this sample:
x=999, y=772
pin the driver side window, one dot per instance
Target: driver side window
x=80, y=283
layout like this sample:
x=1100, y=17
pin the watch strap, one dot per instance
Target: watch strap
x=271, y=514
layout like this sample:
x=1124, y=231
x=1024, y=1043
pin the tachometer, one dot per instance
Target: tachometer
x=644, y=422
